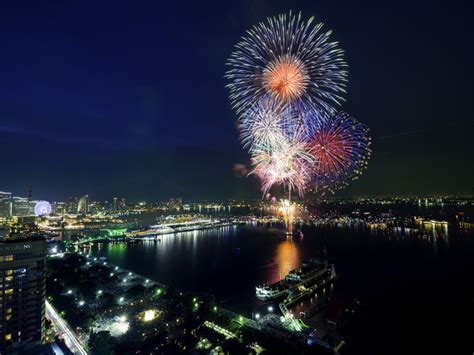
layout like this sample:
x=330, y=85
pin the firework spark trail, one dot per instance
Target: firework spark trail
x=292, y=60
x=341, y=148
x=286, y=162
x=286, y=79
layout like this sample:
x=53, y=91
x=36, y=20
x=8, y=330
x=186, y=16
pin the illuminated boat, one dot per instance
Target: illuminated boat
x=151, y=232
x=312, y=273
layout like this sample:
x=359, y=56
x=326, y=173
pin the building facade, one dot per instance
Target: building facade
x=22, y=293
x=5, y=204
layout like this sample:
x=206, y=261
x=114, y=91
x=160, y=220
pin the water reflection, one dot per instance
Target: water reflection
x=287, y=257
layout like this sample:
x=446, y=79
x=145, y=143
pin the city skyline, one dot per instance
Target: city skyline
x=247, y=177
x=102, y=108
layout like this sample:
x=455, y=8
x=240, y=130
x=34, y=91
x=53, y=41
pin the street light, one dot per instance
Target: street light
x=257, y=315
x=270, y=309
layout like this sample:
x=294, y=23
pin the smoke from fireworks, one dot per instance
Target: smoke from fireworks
x=293, y=61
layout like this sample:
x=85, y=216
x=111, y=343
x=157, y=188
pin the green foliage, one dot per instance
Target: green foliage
x=102, y=343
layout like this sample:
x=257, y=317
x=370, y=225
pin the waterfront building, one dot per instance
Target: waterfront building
x=5, y=204
x=22, y=297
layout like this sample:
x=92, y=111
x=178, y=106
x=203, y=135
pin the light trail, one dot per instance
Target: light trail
x=73, y=343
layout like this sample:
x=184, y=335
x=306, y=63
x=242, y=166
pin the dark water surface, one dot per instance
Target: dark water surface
x=416, y=292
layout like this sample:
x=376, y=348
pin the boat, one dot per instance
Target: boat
x=312, y=273
x=152, y=232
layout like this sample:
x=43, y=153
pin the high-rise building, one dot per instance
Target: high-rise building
x=83, y=205
x=22, y=297
x=21, y=206
x=5, y=204
x=118, y=203
x=71, y=206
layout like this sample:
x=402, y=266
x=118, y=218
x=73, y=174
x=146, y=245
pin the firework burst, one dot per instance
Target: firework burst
x=266, y=124
x=291, y=60
x=285, y=162
x=340, y=147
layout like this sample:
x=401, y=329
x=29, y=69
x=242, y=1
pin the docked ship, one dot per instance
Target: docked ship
x=152, y=232
x=311, y=272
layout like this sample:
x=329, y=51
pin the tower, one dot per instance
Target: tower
x=23, y=293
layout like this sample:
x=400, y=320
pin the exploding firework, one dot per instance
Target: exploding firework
x=265, y=124
x=286, y=162
x=340, y=147
x=293, y=61
x=286, y=78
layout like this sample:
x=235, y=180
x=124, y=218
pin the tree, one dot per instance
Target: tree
x=102, y=343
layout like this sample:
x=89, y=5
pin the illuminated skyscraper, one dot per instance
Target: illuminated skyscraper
x=5, y=204
x=22, y=298
x=83, y=205
x=21, y=206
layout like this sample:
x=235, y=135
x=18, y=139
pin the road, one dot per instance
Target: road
x=63, y=329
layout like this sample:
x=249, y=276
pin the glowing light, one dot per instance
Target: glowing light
x=120, y=326
x=340, y=146
x=42, y=208
x=149, y=315
x=292, y=60
x=287, y=162
x=286, y=77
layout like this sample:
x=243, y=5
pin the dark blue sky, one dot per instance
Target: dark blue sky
x=127, y=98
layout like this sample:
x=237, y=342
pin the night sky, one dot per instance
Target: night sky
x=128, y=99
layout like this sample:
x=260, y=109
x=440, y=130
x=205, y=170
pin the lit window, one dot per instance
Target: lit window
x=8, y=317
x=9, y=258
x=8, y=336
x=9, y=272
x=9, y=291
x=9, y=310
x=9, y=278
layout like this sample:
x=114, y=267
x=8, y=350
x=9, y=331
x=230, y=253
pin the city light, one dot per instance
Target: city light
x=270, y=309
x=149, y=315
